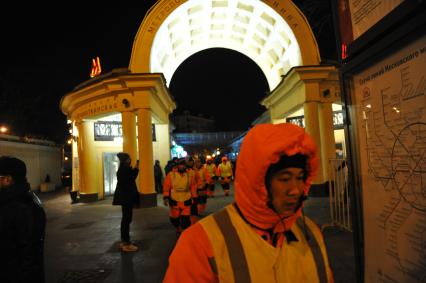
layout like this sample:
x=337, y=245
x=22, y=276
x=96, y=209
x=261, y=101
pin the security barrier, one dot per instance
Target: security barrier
x=339, y=194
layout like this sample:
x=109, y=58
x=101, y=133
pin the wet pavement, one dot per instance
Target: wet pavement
x=82, y=240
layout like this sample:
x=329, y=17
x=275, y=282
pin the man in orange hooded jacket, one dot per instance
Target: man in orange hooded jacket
x=262, y=236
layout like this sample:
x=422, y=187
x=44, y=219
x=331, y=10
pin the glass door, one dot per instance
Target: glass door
x=110, y=164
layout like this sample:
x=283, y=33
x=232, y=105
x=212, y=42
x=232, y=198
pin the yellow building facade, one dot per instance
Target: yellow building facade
x=138, y=102
x=311, y=91
x=274, y=34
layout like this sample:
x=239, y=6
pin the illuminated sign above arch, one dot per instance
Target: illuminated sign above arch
x=96, y=67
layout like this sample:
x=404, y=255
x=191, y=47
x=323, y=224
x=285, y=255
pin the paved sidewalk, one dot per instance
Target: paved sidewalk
x=82, y=241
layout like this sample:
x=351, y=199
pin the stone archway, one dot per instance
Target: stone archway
x=274, y=34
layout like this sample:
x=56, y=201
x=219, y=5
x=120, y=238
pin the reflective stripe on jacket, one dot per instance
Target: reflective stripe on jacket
x=241, y=255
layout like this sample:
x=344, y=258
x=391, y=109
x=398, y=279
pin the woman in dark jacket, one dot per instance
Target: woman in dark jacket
x=126, y=194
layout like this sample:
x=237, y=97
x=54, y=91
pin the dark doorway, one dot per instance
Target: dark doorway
x=223, y=84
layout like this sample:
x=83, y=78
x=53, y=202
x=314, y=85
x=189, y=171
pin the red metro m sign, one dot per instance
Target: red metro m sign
x=96, y=68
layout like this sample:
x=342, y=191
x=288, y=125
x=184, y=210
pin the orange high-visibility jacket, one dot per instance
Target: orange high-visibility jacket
x=211, y=168
x=228, y=247
x=224, y=169
x=188, y=183
x=202, y=177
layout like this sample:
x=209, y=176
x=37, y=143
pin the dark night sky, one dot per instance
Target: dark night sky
x=47, y=49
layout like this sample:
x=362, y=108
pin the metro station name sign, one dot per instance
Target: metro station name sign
x=163, y=14
x=284, y=12
x=96, y=108
x=169, y=6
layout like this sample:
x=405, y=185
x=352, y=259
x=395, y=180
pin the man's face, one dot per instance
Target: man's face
x=5, y=181
x=286, y=189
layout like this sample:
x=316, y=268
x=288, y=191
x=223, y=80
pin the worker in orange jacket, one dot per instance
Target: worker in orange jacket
x=211, y=169
x=263, y=236
x=225, y=174
x=179, y=193
x=203, y=178
x=194, y=207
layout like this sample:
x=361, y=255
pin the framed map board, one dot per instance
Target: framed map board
x=390, y=114
x=384, y=92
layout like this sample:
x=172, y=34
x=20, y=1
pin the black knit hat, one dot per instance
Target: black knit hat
x=122, y=156
x=294, y=161
x=11, y=166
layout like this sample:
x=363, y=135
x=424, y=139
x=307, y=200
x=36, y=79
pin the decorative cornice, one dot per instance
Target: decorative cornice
x=115, y=83
x=298, y=76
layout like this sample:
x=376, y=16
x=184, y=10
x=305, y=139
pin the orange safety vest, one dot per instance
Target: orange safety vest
x=242, y=256
x=180, y=190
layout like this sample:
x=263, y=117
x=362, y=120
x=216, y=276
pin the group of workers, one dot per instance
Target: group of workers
x=188, y=185
x=262, y=236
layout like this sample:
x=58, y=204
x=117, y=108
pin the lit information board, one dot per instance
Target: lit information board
x=390, y=117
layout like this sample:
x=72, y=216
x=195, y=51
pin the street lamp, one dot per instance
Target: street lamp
x=3, y=129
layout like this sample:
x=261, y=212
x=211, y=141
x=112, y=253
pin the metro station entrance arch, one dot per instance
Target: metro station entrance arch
x=274, y=34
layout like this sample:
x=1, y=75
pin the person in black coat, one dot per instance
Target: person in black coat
x=22, y=226
x=126, y=194
x=158, y=177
